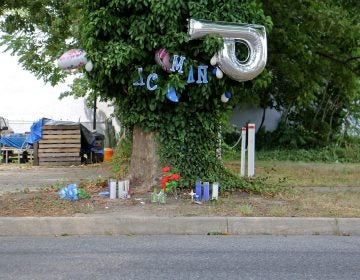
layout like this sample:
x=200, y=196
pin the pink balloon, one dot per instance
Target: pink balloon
x=162, y=58
x=72, y=59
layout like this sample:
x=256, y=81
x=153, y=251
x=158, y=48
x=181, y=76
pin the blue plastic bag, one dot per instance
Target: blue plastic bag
x=69, y=192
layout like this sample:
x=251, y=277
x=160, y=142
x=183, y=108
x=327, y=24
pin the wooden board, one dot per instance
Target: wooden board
x=61, y=132
x=64, y=141
x=57, y=146
x=60, y=137
x=59, y=159
x=60, y=127
x=69, y=163
x=47, y=155
x=59, y=150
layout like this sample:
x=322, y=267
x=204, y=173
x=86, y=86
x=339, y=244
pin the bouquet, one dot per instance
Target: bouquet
x=170, y=180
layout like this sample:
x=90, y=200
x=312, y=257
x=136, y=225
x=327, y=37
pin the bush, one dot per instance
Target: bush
x=349, y=153
x=121, y=159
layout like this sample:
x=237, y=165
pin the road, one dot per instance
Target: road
x=180, y=257
x=14, y=178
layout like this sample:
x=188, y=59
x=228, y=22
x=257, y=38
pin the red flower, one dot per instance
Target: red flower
x=169, y=180
x=164, y=180
x=166, y=169
x=175, y=177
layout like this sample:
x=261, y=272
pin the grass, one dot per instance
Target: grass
x=310, y=190
x=348, y=152
x=246, y=209
x=305, y=174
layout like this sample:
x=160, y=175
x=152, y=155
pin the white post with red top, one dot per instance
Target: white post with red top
x=243, y=150
x=251, y=149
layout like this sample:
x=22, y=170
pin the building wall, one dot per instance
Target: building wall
x=249, y=114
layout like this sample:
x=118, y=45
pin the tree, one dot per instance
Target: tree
x=121, y=35
x=314, y=58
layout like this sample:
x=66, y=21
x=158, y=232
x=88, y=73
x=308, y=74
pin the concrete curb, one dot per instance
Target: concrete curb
x=134, y=225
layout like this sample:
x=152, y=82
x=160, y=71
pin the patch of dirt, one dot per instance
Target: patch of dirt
x=299, y=202
x=21, y=177
x=48, y=203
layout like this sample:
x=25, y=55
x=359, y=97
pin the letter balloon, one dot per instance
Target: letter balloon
x=252, y=35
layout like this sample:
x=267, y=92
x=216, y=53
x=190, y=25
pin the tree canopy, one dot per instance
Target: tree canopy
x=314, y=58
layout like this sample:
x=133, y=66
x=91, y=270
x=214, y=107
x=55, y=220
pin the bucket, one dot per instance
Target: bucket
x=108, y=154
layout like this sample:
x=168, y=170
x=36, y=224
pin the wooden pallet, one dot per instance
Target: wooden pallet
x=60, y=145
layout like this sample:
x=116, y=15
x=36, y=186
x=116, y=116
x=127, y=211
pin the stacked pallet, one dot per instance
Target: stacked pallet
x=60, y=145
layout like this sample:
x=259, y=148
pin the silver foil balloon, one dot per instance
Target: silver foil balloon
x=252, y=35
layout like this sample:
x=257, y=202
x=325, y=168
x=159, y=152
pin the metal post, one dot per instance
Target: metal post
x=251, y=149
x=243, y=151
x=94, y=119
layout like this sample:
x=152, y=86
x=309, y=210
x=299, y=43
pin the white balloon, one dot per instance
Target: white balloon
x=224, y=98
x=219, y=73
x=89, y=66
x=213, y=60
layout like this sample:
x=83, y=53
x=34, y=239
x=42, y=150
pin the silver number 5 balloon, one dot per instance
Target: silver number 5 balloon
x=252, y=35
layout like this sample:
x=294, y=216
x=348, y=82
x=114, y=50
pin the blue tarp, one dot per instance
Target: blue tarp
x=36, y=131
x=15, y=141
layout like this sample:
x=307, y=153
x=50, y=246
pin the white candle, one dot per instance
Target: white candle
x=112, y=189
x=215, y=190
x=127, y=187
x=121, y=186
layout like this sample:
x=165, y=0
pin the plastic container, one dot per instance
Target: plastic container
x=108, y=153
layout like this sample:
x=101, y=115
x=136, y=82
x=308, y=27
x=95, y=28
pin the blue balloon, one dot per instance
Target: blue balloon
x=228, y=94
x=171, y=95
x=213, y=71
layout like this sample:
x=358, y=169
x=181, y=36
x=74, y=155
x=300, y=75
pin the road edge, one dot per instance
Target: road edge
x=135, y=225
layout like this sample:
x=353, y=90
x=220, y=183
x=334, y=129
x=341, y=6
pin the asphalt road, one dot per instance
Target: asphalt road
x=180, y=257
x=14, y=178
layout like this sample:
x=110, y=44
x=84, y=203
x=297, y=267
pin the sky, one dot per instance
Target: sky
x=25, y=99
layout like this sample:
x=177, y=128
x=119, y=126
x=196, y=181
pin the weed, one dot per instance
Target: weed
x=53, y=187
x=246, y=210
x=278, y=210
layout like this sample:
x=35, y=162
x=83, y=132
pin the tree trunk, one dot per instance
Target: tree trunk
x=145, y=169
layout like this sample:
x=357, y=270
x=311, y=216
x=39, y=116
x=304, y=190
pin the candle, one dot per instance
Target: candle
x=215, y=190
x=206, y=191
x=127, y=188
x=121, y=186
x=198, y=190
x=112, y=186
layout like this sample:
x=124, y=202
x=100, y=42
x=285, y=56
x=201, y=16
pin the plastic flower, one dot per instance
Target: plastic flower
x=166, y=169
x=170, y=180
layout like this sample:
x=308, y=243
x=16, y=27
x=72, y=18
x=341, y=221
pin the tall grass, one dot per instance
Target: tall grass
x=349, y=153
